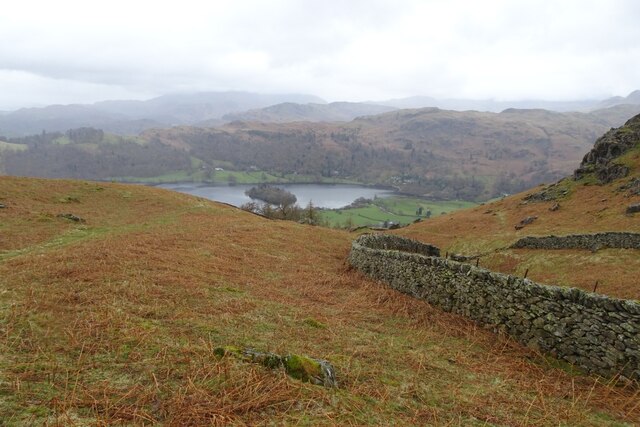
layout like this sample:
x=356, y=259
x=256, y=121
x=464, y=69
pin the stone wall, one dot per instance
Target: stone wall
x=595, y=332
x=582, y=241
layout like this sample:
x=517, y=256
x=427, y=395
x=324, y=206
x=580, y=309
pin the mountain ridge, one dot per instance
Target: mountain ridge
x=129, y=117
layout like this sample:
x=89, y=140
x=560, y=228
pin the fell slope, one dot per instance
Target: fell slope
x=291, y=112
x=594, y=200
x=114, y=320
x=433, y=153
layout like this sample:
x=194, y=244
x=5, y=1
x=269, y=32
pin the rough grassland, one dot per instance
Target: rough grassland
x=585, y=209
x=114, y=321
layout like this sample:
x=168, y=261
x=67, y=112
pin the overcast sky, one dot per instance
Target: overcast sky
x=82, y=51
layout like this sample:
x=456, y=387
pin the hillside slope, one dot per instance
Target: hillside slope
x=432, y=153
x=594, y=200
x=290, y=112
x=114, y=320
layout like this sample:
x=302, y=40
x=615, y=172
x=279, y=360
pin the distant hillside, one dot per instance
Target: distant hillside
x=290, y=112
x=428, y=152
x=594, y=199
x=633, y=98
x=497, y=106
x=127, y=117
x=132, y=117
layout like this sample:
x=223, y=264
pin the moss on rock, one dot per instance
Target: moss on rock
x=303, y=368
x=306, y=369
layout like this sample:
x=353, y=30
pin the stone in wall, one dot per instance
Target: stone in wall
x=595, y=241
x=595, y=332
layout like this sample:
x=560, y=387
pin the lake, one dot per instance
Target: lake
x=331, y=196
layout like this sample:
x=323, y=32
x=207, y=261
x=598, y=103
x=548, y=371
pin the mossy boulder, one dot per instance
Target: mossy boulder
x=268, y=360
x=303, y=368
x=315, y=371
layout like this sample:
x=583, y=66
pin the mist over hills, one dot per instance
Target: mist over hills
x=312, y=112
x=128, y=117
x=496, y=106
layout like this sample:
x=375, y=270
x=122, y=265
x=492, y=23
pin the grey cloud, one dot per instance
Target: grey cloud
x=338, y=50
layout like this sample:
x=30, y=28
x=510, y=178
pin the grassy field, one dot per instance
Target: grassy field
x=587, y=208
x=107, y=139
x=113, y=321
x=8, y=146
x=397, y=209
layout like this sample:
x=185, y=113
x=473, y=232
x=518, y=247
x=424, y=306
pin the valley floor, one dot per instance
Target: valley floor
x=114, y=320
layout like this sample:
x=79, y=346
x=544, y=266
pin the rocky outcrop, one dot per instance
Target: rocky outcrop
x=607, y=148
x=581, y=241
x=596, y=333
x=631, y=209
x=524, y=222
x=549, y=193
x=632, y=187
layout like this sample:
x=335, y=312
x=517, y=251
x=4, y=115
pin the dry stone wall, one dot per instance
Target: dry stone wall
x=581, y=241
x=595, y=332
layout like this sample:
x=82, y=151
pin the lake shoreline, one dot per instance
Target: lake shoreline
x=322, y=195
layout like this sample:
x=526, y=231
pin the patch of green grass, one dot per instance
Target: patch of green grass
x=408, y=206
x=63, y=140
x=176, y=176
x=196, y=163
x=397, y=209
x=116, y=139
x=8, y=146
x=630, y=158
x=314, y=323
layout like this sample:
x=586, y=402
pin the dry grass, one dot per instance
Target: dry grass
x=114, y=322
x=586, y=209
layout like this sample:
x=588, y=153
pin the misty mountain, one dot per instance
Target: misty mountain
x=192, y=108
x=128, y=117
x=488, y=104
x=312, y=112
x=632, y=99
x=132, y=117
x=497, y=106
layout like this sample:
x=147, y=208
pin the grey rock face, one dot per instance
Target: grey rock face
x=608, y=147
